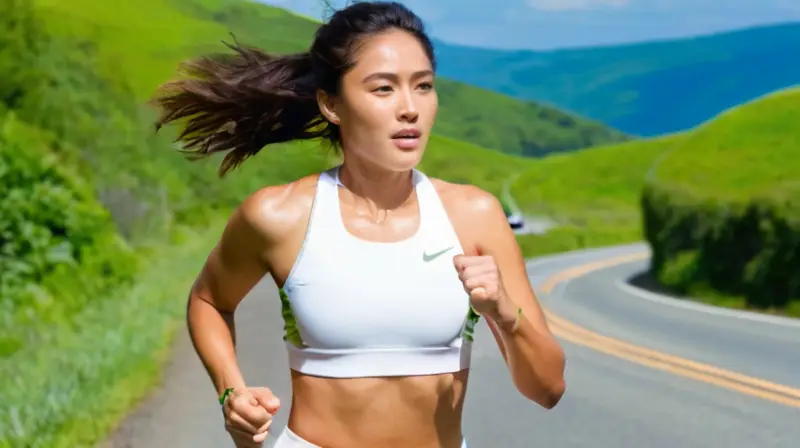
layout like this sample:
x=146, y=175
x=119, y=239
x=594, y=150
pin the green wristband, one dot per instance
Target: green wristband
x=225, y=395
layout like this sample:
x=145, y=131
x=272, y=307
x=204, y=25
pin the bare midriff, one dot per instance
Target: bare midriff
x=394, y=412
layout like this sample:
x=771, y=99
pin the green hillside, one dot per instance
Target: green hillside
x=646, y=89
x=718, y=204
x=515, y=127
x=592, y=195
x=462, y=162
x=722, y=211
x=748, y=151
x=149, y=37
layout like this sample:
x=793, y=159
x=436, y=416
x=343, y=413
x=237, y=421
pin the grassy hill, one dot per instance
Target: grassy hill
x=718, y=204
x=747, y=151
x=149, y=37
x=722, y=211
x=644, y=89
x=515, y=127
x=592, y=195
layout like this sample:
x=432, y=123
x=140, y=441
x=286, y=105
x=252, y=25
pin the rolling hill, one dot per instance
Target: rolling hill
x=718, y=204
x=592, y=195
x=748, y=151
x=721, y=211
x=149, y=37
x=744, y=152
x=643, y=89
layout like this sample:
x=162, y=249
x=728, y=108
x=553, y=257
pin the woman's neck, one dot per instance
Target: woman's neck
x=377, y=189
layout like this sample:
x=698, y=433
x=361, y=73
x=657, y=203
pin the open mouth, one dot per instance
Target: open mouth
x=406, y=134
x=406, y=139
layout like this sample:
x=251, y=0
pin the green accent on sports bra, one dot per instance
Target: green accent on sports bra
x=469, y=327
x=290, y=332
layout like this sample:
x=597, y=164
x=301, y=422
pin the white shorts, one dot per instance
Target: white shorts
x=289, y=439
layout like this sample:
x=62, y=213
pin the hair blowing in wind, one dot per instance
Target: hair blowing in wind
x=241, y=101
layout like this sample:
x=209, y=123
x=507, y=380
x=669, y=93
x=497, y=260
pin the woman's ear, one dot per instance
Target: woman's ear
x=327, y=105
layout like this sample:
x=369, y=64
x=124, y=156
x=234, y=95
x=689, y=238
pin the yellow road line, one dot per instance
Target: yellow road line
x=688, y=373
x=577, y=271
x=590, y=336
x=571, y=332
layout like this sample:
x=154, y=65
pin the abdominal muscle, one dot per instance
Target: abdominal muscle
x=395, y=412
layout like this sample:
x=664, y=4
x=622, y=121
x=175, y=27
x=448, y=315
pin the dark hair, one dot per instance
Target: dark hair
x=240, y=102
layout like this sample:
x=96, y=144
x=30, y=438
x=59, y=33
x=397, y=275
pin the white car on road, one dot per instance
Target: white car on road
x=515, y=221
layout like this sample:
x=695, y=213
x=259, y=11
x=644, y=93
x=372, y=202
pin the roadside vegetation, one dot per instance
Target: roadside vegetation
x=722, y=212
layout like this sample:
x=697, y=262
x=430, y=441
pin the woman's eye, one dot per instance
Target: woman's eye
x=426, y=86
x=383, y=89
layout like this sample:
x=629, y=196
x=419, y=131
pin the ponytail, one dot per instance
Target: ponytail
x=241, y=102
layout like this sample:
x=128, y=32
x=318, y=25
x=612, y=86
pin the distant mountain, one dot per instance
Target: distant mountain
x=643, y=89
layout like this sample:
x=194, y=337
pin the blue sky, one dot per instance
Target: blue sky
x=547, y=24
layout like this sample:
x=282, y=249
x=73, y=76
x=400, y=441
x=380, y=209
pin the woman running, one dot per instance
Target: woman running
x=383, y=271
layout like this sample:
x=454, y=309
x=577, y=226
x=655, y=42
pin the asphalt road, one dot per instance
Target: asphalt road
x=614, y=398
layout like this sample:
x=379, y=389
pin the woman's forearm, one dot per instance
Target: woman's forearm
x=213, y=335
x=535, y=360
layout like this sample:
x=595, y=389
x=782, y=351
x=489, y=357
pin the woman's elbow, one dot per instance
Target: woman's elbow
x=553, y=394
x=547, y=396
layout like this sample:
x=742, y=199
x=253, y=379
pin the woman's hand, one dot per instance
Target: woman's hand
x=248, y=415
x=481, y=278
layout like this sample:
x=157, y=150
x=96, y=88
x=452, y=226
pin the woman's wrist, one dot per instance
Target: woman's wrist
x=232, y=379
x=508, y=317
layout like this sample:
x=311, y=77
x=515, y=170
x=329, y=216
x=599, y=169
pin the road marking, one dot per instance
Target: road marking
x=569, y=331
x=680, y=371
x=578, y=271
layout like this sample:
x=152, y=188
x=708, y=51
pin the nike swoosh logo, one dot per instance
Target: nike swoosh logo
x=428, y=257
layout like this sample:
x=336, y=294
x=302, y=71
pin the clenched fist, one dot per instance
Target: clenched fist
x=482, y=281
x=248, y=415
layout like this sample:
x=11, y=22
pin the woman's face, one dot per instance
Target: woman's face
x=387, y=103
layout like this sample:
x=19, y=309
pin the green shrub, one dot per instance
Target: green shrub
x=72, y=389
x=56, y=240
x=739, y=247
x=570, y=237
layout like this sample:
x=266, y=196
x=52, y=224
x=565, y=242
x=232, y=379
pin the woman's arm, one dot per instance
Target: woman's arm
x=260, y=238
x=534, y=357
x=234, y=266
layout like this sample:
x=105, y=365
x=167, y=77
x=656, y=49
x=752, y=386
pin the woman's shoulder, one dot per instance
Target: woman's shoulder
x=466, y=198
x=276, y=210
x=477, y=217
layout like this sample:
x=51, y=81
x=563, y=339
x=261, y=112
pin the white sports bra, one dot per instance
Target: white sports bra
x=357, y=308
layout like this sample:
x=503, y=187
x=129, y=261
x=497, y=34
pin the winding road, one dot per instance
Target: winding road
x=643, y=370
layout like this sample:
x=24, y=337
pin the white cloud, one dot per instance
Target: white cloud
x=575, y=5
